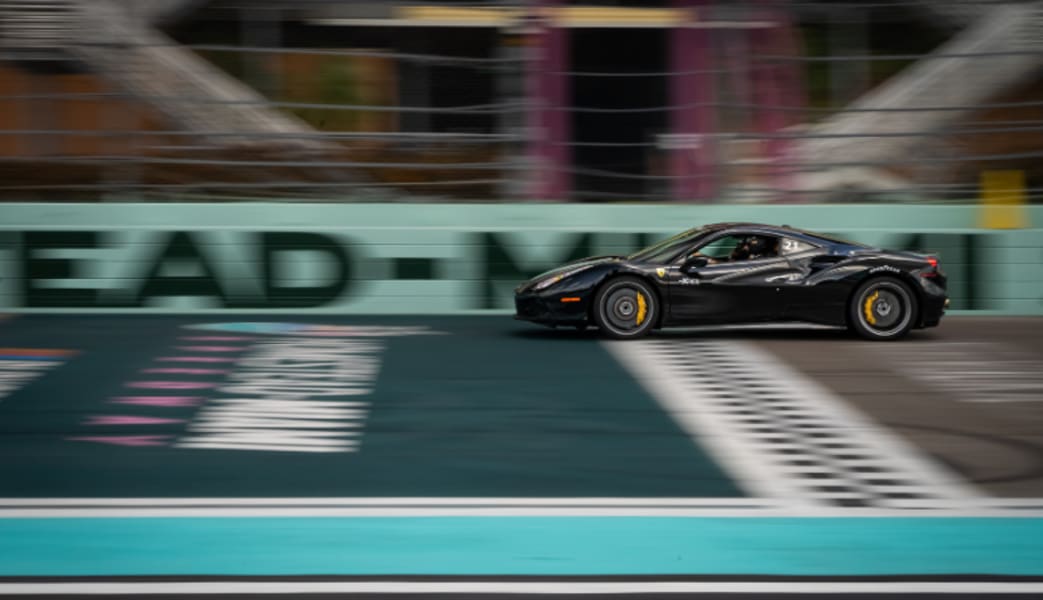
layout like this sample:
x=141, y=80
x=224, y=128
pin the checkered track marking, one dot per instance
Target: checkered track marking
x=811, y=446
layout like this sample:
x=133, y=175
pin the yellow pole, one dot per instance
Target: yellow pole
x=1003, y=200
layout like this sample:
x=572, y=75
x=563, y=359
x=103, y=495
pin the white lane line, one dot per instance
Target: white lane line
x=387, y=501
x=977, y=503
x=795, y=511
x=781, y=434
x=526, y=587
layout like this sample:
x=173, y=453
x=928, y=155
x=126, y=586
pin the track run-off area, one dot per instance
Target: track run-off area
x=194, y=455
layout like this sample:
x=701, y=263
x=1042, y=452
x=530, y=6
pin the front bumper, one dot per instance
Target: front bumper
x=552, y=308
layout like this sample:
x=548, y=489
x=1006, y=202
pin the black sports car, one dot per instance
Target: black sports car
x=742, y=273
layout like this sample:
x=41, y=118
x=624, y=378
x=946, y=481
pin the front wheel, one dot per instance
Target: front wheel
x=882, y=309
x=625, y=308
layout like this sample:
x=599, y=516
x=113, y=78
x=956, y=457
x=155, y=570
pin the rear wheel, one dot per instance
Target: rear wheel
x=625, y=308
x=882, y=309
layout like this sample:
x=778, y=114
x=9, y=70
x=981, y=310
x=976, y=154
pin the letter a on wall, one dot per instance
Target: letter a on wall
x=181, y=269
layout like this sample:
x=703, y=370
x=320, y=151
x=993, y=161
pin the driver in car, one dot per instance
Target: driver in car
x=752, y=247
x=749, y=248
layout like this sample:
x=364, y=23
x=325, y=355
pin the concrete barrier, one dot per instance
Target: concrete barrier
x=397, y=258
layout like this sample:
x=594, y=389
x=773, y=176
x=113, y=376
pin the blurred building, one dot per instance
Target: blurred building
x=684, y=100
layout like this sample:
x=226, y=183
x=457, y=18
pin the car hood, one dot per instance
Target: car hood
x=583, y=263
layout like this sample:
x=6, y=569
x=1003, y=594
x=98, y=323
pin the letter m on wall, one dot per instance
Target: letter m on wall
x=509, y=259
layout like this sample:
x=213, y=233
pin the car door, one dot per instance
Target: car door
x=728, y=290
x=806, y=296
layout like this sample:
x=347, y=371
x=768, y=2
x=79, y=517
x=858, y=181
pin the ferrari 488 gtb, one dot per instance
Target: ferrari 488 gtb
x=742, y=273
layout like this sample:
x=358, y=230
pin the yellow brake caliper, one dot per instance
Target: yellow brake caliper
x=867, y=308
x=642, y=308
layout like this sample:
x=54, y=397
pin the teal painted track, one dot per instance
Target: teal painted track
x=484, y=408
x=521, y=546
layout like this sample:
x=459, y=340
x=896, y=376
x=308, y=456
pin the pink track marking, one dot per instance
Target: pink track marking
x=166, y=401
x=128, y=420
x=185, y=371
x=125, y=440
x=210, y=359
x=171, y=385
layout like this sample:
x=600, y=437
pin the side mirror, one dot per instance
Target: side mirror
x=692, y=264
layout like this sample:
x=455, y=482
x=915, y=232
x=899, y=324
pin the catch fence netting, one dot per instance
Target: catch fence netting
x=798, y=101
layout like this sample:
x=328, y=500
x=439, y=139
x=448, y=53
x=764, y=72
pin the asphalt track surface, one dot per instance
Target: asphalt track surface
x=969, y=393
x=480, y=457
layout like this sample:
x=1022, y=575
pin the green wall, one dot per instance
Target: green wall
x=399, y=258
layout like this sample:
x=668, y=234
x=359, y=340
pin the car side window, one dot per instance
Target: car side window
x=739, y=247
x=791, y=246
x=720, y=248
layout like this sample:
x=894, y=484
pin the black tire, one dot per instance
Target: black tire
x=625, y=308
x=882, y=309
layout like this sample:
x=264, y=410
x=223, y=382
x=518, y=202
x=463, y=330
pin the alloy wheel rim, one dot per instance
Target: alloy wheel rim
x=627, y=309
x=884, y=309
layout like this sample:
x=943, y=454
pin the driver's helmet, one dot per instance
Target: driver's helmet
x=756, y=246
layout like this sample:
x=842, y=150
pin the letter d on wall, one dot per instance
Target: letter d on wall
x=297, y=269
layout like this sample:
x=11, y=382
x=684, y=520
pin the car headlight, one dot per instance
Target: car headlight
x=546, y=283
x=549, y=281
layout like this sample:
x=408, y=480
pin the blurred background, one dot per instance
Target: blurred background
x=687, y=101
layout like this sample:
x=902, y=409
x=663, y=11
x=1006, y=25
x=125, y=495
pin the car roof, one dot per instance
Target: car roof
x=752, y=228
x=764, y=228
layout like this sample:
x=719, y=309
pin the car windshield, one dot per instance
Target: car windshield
x=668, y=248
